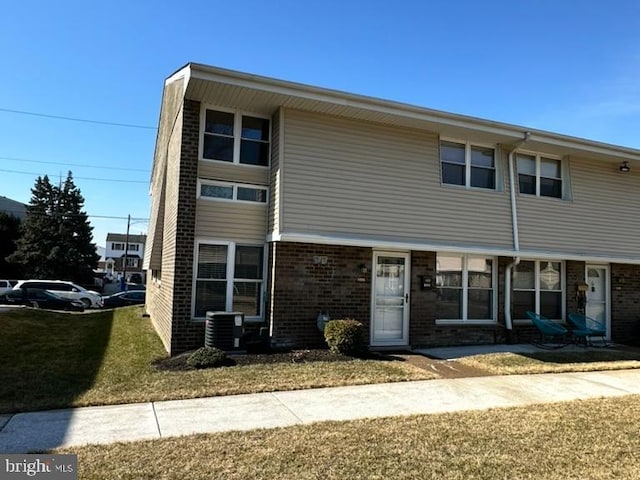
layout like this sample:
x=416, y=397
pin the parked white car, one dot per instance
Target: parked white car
x=65, y=289
x=5, y=286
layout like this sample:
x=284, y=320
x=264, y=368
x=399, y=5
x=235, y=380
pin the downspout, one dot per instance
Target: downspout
x=516, y=239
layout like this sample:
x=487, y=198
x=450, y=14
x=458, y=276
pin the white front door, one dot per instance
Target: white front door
x=390, y=299
x=597, y=306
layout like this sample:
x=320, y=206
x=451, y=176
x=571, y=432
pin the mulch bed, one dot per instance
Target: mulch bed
x=179, y=362
x=444, y=368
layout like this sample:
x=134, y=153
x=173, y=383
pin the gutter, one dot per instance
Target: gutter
x=516, y=239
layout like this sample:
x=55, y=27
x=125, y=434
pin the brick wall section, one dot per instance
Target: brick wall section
x=298, y=289
x=186, y=334
x=575, y=275
x=302, y=288
x=625, y=303
x=167, y=156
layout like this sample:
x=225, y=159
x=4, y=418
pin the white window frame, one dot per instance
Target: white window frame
x=563, y=275
x=230, y=273
x=237, y=135
x=465, y=292
x=131, y=261
x=234, y=186
x=134, y=247
x=538, y=156
x=117, y=246
x=467, y=164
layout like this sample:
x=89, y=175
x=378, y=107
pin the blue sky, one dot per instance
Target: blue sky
x=567, y=66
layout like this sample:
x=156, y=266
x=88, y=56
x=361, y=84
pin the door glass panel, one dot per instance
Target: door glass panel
x=390, y=276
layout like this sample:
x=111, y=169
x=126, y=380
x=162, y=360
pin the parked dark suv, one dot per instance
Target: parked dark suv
x=134, y=278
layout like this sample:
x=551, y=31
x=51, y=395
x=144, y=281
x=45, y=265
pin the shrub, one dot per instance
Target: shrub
x=347, y=336
x=206, y=357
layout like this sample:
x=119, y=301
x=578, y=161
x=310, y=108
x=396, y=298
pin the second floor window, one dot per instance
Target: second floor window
x=117, y=246
x=468, y=165
x=539, y=176
x=235, y=138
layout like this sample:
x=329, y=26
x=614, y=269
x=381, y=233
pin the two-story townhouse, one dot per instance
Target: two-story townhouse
x=282, y=200
x=115, y=253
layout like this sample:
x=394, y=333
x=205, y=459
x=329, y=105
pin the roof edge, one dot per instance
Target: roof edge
x=273, y=85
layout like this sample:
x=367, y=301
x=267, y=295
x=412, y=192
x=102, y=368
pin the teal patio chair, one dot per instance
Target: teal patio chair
x=552, y=334
x=591, y=327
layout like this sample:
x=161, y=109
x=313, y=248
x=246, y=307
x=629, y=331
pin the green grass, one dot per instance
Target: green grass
x=592, y=439
x=55, y=360
x=554, y=362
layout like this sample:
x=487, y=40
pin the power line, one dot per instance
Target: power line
x=79, y=178
x=72, y=119
x=75, y=164
x=111, y=217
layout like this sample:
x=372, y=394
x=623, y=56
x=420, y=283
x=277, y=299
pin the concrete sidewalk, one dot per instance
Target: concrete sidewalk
x=26, y=432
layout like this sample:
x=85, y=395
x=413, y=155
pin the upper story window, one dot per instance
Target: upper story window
x=468, y=165
x=117, y=246
x=134, y=247
x=232, y=192
x=235, y=138
x=540, y=176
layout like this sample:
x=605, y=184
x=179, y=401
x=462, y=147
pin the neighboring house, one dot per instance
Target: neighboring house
x=101, y=251
x=282, y=200
x=115, y=253
x=17, y=209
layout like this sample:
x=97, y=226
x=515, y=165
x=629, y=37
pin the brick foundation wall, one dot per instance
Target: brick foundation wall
x=625, y=303
x=310, y=278
x=300, y=285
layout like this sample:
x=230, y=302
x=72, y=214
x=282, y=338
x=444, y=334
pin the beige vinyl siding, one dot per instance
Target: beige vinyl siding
x=351, y=178
x=235, y=221
x=601, y=219
x=214, y=170
x=169, y=132
x=273, y=216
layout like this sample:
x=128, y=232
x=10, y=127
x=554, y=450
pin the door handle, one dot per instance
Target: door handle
x=406, y=298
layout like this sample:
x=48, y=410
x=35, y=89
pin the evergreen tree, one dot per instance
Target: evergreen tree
x=9, y=235
x=57, y=239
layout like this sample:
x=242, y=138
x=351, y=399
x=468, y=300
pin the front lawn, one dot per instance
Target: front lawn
x=558, y=361
x=590, y=439
x=55, y=360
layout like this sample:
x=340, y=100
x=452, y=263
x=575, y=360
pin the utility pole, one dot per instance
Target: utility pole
x=126, y=252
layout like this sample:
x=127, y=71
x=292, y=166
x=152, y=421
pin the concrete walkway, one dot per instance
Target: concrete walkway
x=26, y=432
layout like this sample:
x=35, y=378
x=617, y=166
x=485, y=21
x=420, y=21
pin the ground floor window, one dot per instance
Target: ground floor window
x=465, y=286
x=538, y=286
x=229, y=277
